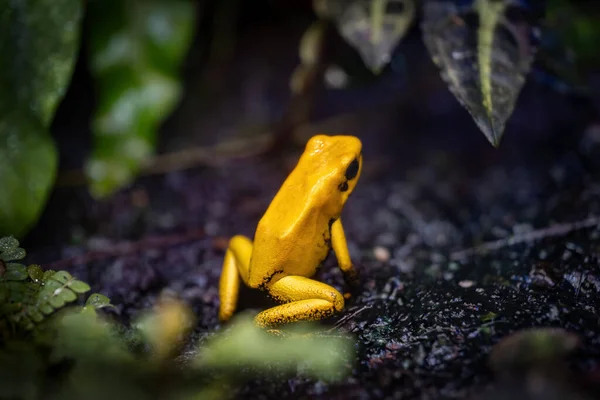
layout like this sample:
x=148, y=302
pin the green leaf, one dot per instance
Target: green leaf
x=67, y=295
x=48, y=274
x=46, y=309
x=13, y=254
x=17, y=273
x=98, y=300
x=62, y=276
x=56, y=301
x=484, y=65
x=79, y=286
x=35, y=315
x=39, y=40
x=27, y=169
x=38, y=44
x=8, y=242
x=35, y=273
x=136, y=49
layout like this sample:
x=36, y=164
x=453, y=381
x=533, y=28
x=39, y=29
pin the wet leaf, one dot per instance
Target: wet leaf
x=136, y=49
x=373, y=27
x=13, y=254
x=48, y=273
x=8, y=242
x=35, y=273
x=483, y=57
x=98, y=300
x=38, y=44
x=62, y=277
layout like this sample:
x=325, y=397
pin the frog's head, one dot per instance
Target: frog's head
x=334, y=164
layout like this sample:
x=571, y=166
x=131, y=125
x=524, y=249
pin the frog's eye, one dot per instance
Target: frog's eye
x=352, y=170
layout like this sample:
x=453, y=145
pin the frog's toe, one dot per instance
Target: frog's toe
x=277, y=332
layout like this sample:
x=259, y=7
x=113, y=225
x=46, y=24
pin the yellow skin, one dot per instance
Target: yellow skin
x=295, y=236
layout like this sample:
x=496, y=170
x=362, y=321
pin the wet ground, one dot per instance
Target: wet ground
x=427, y=314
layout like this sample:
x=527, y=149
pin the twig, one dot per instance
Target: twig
x=527, y=237
x=343, y=320
x=185, y=159
x=126, y=248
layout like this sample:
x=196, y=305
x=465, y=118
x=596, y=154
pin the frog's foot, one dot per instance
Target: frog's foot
x=235, y=265
x=305, y=300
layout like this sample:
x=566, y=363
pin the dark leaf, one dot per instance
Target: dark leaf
x=35, y=273
x=373, y=27
x=15, y=272
x=484, y=58
x=8, y=242
x=13, y=254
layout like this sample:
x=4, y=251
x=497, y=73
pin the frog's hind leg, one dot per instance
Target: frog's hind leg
x=235, y=265
x=305, y=300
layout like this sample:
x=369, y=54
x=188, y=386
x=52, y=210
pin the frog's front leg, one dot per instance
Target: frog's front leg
x=305, y=300
x=340, y=247
x=236, y=264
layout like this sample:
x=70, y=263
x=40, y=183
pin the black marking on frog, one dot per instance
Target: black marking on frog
x=267, y=279
x=343, y=187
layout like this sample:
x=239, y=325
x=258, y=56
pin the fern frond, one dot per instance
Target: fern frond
x=28, y=295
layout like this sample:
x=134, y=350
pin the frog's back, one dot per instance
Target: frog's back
x=292, y=237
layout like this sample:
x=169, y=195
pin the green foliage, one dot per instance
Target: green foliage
x=248, y=346
x=28, y=295
x=38, y=43
x=136, y=49
x=577, y=27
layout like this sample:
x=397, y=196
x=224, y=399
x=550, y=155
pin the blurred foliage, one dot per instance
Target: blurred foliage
x=533, y=346
x=73, y=351
x=136, y=49
x=38, y=44
x=576, y=27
